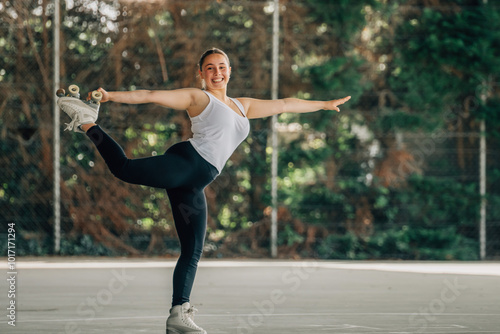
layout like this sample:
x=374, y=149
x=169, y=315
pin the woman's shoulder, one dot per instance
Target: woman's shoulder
x=245, y=101
x=200, y=101
x=196, y=91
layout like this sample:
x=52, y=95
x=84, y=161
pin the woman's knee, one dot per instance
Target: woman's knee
x=119, y=171
x=122, y=169
x=193, y=250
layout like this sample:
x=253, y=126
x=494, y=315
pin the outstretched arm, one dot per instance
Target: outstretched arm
x=179, y=99
x=263, y=108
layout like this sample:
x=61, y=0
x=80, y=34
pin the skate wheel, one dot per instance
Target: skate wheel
x=60, y=92
x=74, y=90
x=96, y=96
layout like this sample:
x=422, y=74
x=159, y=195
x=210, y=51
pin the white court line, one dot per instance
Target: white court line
x=250, y=314
x=426, y=332
x=457, y=268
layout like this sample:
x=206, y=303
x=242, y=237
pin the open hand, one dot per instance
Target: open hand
x=333, y=104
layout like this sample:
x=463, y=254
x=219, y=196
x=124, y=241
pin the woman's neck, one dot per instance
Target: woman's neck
x=219, y=93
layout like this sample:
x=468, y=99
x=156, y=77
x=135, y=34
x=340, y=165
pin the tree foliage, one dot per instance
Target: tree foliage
x=369, y=182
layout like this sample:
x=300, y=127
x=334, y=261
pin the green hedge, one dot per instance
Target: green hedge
x=406, y=243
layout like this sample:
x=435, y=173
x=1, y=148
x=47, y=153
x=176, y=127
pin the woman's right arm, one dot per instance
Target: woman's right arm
x=179, y=99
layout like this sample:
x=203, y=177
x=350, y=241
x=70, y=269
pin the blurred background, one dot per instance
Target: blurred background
x=395, y=175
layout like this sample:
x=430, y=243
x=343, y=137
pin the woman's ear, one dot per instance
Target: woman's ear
x=203, y=83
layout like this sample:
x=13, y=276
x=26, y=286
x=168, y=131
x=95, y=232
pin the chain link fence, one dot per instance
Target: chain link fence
x=371, y=195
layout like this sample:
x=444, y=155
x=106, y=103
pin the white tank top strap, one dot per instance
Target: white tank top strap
x=239, y=105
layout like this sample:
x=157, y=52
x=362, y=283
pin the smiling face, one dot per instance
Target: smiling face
x=215, y=71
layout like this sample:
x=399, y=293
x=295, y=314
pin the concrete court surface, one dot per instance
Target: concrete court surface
x=87, y=295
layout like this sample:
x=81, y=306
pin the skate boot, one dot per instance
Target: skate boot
x=181, y=321
x=81, y=112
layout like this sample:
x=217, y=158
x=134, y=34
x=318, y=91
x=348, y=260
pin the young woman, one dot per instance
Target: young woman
x=219, y=125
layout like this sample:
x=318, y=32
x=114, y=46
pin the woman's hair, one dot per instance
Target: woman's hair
x=210, y=52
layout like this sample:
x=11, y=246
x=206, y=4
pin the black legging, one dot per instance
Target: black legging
x=184, y=174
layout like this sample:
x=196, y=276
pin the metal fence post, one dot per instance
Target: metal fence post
x=57, y=152
x=482, y=177
x=274, y=121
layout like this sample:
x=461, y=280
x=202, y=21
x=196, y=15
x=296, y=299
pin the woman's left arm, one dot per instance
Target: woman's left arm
x=263, y=108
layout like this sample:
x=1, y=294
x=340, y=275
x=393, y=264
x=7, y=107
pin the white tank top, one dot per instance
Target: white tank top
x=218, y=131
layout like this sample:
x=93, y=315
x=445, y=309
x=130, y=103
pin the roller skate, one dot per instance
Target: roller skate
x=80, y=111
x=181, y=321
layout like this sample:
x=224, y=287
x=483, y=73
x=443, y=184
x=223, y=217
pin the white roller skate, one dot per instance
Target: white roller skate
x=81, y=112
x=181, y=320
